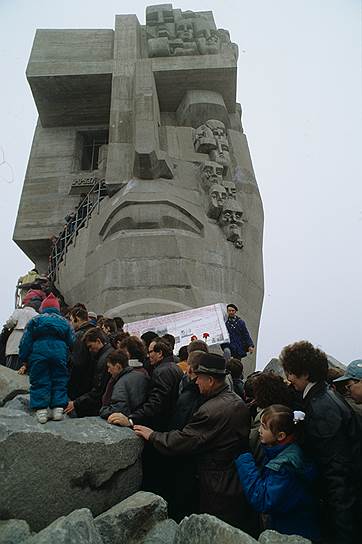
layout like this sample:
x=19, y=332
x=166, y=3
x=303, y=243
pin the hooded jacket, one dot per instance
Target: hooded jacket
x=283, y=489
x=46, y=335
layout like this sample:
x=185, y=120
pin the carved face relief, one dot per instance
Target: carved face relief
x=185, y=30
x=231, y=221
x=208, y=42
x=211, y=138
x=230, y=188
x=211, y=173
x=217, y=196
x=204, y=141
x=159, y=14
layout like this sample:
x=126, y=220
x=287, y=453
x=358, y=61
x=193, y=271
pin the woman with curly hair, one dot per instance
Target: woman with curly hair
x=331, y=438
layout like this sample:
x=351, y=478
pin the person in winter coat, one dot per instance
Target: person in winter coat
x=161, y=402
x=81, y=362
x=283, y=488
x=90, y=402
x=126, y=390
x=44, y=348
x=217, y=432
x=240, y=340
x=332, y=440
x=157, y=411
x=17, y=323
x=190, y=398
x=184, y=477
x=136, y=352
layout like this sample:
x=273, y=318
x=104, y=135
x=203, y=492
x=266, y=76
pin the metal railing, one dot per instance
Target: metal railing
x=78, y=219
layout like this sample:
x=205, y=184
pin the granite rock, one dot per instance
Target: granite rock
x=206, y=529
x=13, y=531
x=11, y=384
x=50, y=470
x=163, y=532
x=272, y=537
x=77, y=528
x=21, y=403
x=130, y=520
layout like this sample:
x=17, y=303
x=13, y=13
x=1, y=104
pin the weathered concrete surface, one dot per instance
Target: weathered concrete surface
x=206, y=529
x=129, y=521
x=14, y=531
x=50, y=470
x=11, y=384
x=272, y=537
x=77, y=528
x=174, y=235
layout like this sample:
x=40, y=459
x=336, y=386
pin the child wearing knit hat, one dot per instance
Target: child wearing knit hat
x=44, y=348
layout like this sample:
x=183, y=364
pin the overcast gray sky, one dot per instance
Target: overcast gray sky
x=299, y=84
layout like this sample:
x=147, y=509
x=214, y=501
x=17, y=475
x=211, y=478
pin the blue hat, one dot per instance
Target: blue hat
x=353, y=371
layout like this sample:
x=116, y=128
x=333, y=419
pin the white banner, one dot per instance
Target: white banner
x=206, y=323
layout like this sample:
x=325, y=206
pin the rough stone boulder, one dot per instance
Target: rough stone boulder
x=50, y=470
x=164, y=532
x=206, y=529
x=129, y=521
x=11, y=384
x=77, y=528
x=272, y=537
x=13, y=531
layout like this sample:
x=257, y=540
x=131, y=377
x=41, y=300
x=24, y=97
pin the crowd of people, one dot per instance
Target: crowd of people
x=262, y=452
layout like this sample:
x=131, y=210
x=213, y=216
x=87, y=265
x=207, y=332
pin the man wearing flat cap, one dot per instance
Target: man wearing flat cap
x=217, y=432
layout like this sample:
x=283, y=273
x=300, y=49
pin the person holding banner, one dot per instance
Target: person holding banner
x=240, y=340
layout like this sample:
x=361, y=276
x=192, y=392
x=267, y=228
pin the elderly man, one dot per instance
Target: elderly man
x=216, y=433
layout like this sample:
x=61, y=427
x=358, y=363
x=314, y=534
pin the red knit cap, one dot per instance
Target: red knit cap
x=50, y=302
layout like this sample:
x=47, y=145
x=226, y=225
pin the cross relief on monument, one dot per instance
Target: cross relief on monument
x=151, y=109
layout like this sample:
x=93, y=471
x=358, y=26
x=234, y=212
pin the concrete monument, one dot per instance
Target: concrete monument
x=152, y=111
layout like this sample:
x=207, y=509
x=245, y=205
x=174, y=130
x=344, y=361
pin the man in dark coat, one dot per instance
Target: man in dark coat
x=156, y=411
x=217, y=433
x=81, y=363
x=331, y=439
x=126, y=390
x=90, y=402
x=160, y=405
x=240, y=340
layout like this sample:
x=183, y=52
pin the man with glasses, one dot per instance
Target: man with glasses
x=160, y=405
x=353, y=377
x=157, y=411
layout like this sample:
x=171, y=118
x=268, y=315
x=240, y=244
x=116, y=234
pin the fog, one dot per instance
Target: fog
x=299, y=84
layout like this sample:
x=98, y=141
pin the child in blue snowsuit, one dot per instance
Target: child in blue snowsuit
x=282, y=490
x=44, y=348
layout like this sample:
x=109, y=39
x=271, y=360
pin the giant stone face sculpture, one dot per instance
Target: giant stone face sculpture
x=151, y=110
